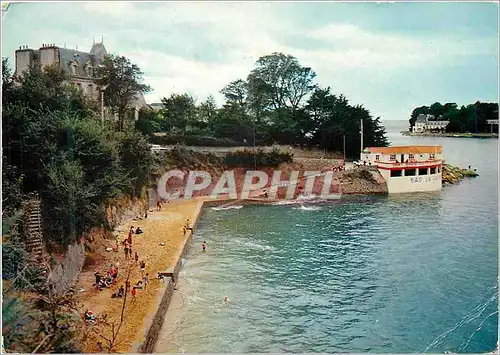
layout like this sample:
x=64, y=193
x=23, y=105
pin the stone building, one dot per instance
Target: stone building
x=80, y=66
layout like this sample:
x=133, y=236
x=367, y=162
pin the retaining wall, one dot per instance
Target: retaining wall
x=66, y=271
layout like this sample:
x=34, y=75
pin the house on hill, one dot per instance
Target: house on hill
x=427, y=123
x=80, y=66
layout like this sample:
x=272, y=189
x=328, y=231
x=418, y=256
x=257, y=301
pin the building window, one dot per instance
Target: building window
x=411, y=156
x=431, y=156
x=422, y=171
x=396, y=173
x=392, y=157
x=377, y=157
x=410, y=172
x=439, y=169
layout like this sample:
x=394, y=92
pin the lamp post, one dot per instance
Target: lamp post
x=102, y=103
x=343, y=145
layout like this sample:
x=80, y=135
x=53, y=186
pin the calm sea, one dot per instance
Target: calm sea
x=407, y=273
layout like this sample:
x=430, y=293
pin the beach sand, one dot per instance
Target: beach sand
x=163, y=226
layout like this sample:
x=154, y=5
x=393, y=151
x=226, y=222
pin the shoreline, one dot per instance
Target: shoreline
x=450, y=135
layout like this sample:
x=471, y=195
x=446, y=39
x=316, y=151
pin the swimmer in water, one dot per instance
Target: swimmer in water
x=204, y=246
x=226, y=299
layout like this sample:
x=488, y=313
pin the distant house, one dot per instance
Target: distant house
x=427, y=123
x=80, y=66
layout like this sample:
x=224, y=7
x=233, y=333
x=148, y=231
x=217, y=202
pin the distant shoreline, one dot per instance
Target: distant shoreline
x=453, y=135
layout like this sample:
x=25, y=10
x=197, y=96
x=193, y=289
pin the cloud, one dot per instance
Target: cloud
x=199, y=47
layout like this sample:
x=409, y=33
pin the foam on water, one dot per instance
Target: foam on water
x=225, y=208
x=308, y=208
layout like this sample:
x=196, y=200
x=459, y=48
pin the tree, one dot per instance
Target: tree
x=333, y=118
x=179, y=111
x=286, y=81
x=123, y=82
x=422, y=110
x=236, y=92
x=436, y=110
x=149, y=121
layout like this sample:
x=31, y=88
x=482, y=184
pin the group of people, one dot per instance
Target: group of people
x=108, y=280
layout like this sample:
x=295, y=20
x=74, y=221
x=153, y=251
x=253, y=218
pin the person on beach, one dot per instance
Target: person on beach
x=139, y=230
x=226, y=299
x=184, y=230
x=134, y=292
x=204, y=246
x=136, y=258
x=130, y=232
x=126, y=249
x=158, y=206
x=146, y=280
x=143, y=268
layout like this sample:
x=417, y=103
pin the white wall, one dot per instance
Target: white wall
x=371, y=158
x=403, y=184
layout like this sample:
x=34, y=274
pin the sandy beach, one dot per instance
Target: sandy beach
x=165, y=226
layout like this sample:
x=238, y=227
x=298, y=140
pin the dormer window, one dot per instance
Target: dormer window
x=89, y=69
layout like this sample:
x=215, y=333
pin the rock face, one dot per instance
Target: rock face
x=362, y=181
x=453, y=174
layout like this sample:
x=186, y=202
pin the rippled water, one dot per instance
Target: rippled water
x=407, y=273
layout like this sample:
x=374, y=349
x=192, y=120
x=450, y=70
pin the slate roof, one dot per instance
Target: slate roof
x=421, y=119
x=66, y=56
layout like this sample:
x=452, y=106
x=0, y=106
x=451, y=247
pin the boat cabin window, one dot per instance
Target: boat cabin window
x=410, y=172
x=433, y=170
x=431, y=156
x=377, y=157
x=422, y=171
x=396, y=173
x=411, y=156
x=392, y=157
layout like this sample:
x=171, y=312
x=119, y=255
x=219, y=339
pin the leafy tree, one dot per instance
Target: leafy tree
x=208, y=109
x=123, y=82
x=179, y=111
x=436, y=110
x=149, y=121
x=286, y=82
x=422, y=110
x=236, y=92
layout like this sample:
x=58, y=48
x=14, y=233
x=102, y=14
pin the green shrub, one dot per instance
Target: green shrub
x=249, y=158
x=194, y=140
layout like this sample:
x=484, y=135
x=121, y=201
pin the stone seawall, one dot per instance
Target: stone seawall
x=155, y=323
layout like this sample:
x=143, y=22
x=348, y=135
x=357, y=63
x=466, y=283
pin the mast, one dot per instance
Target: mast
x=361, y=132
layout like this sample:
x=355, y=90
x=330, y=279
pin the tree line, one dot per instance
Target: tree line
x=278, y=103
x=467, y=118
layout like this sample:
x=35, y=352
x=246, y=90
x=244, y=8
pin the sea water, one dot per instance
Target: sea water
x=404, y=273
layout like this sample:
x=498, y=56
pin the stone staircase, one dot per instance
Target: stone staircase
x=34, y=236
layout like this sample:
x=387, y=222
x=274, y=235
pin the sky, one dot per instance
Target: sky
x=389, y=57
